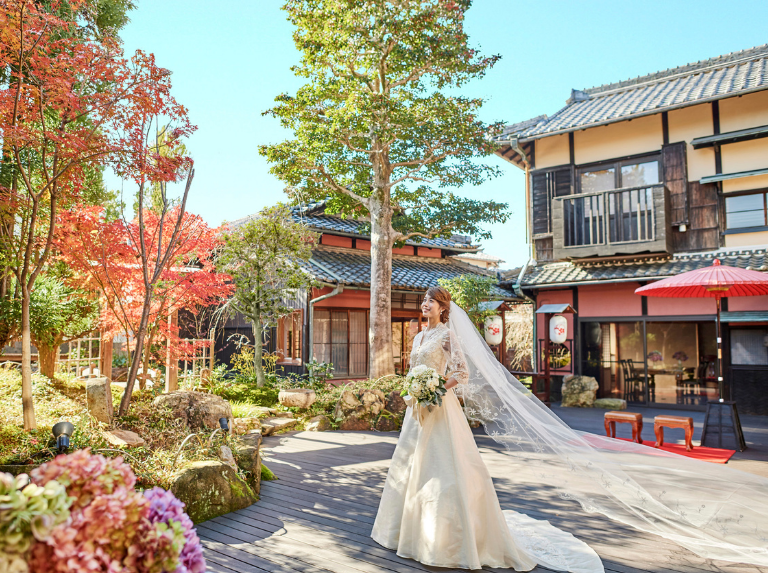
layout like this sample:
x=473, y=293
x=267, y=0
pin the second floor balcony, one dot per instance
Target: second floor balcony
x=614, y=222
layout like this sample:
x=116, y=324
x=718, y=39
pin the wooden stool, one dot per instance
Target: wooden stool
x=636, y=420
x=661, y=422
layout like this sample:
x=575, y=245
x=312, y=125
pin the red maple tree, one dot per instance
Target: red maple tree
x=106, y=252
x=73, y=104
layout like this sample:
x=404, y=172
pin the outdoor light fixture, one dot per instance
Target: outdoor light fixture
x=224, y=423
x=62, y=431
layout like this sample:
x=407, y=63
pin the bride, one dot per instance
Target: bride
x=439, y=505
x=440, y=508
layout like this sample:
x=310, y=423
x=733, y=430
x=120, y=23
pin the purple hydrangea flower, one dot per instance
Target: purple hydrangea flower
x=165, y=507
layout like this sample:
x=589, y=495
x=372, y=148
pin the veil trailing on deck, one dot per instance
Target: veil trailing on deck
x=715, y=511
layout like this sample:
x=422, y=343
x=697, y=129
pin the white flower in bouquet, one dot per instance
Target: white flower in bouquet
x=425, y=385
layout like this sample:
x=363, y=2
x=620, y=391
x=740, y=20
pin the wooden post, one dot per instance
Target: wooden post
x=171, y=362
x=547, y=376
x=105, y=366
x=503, y=349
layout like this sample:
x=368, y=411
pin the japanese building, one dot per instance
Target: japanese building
x=640, y=180
x=334, y=317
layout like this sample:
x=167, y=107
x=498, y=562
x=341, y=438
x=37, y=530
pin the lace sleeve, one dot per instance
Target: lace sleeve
x=415, y=346
x=457, y=364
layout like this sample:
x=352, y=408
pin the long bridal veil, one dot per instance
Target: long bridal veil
x=713, y=510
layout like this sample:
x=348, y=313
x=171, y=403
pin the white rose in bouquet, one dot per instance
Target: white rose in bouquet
x=425, y=385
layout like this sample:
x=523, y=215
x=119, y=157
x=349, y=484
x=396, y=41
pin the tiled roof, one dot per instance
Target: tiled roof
x=732, y=74
x=564, y=274
x=353, y=267
x=314, y=216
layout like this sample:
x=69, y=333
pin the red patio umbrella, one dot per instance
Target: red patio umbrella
x=716, y=282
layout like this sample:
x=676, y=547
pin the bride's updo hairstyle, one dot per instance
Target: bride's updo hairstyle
x=443, y=298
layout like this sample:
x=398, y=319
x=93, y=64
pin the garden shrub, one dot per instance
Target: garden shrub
x=111, y=524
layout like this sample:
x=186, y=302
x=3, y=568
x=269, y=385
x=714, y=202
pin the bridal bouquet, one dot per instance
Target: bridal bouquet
x=425, y=386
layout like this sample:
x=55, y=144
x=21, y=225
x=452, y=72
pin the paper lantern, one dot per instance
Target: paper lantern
x=494, y=330
x=558, y=329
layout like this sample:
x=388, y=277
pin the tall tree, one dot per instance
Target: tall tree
x=264, y=257
x=380, y=130
x=72, y=104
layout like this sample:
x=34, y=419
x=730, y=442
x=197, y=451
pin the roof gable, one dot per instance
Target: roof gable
x=723, y=76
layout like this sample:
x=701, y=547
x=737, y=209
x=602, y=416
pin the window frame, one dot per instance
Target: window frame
x=617, y=164
x=331, y=310
x=739, y=230
x=296, y=345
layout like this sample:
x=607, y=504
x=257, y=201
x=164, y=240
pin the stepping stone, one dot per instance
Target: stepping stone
x=123, y=438
x=271, y=425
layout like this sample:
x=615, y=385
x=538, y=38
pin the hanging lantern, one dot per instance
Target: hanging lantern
x=493, y=330
x=558, y=329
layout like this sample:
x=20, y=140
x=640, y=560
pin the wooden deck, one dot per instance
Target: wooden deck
x=318, y=516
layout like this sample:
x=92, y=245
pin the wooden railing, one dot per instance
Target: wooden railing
x=608, y=222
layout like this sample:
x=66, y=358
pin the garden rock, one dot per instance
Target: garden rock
x=123, y=438
x=272, y=425
x=318, y=424
x=611, y=403
x=373, y=401
x=579, y=391
x=98, y=394
x=226, y=456
x=248, y=458
x=395, y=403
x=245, y=425
x=283, y=414
x=199, y=410
x=297, y=398
x=210, y=489
x=349, y=401
x=386, y=424
x=355, y=423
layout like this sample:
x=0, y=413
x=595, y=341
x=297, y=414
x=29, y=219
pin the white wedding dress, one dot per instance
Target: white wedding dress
x=439, y=505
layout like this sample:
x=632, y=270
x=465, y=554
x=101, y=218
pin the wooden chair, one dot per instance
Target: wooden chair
x=634, y=382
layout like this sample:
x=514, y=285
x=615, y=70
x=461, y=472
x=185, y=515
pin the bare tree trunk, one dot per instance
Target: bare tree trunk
x=125, y=402
x=380, y=328
x=145, y=364
x=47, y=357
x=258, y=352
x=28, y=406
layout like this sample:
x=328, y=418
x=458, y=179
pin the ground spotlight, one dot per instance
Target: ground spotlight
x=224, y=423
x=62, y=431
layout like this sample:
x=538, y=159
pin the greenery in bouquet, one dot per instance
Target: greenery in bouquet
x=425, y=385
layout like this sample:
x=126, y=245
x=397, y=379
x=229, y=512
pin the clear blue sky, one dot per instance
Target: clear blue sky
x=230, y=59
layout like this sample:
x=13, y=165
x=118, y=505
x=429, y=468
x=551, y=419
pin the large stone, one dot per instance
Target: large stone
x=318, y=424
x=355, y=423
x=198, y=410
x=271, y=425
x=373, y=401
x=98, y=394
x=579, y=391
x=210, y=489
x=349, y=401
x=297, y=398
x=245, y=425
x=611, y=403
x=395, y=403
x=386, y=424
x=122, y=438
x=248, y=458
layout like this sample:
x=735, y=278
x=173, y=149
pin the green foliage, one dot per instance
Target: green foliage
x=378, y=127
x=59, y=313
x=264, y=258
x=244, y=392
x=469, y=291
x=318, y=374
x=245, y=410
